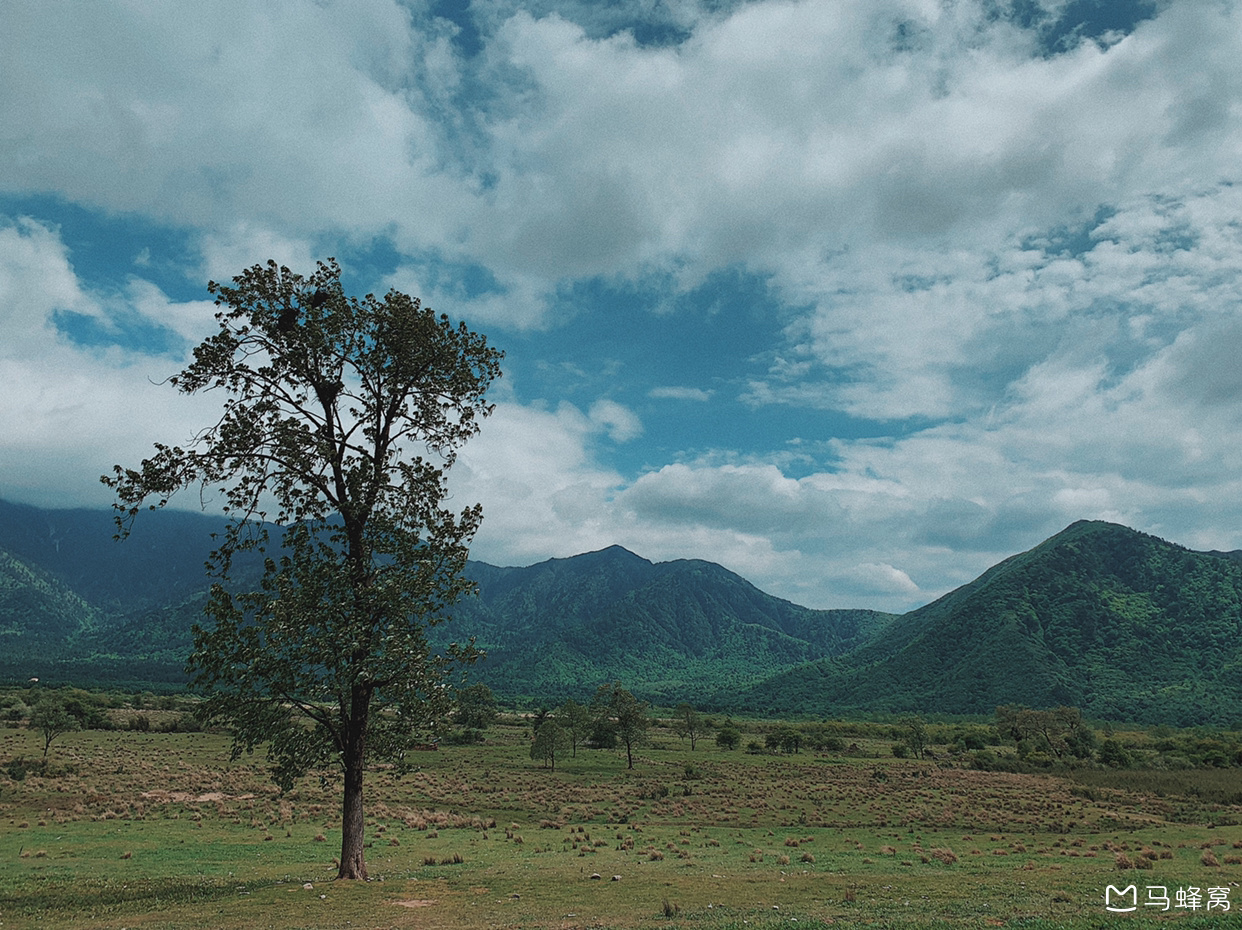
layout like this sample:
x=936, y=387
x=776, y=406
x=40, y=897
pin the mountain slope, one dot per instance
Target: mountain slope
x=1121, y=624
x=38, y=612
x=161, y=562
x=120, y=612
x=1116, y=622
x=672, y=630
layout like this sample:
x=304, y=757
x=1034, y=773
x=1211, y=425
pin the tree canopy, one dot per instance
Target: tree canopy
x=622, y=715
x=51, y=717
x=340, y=419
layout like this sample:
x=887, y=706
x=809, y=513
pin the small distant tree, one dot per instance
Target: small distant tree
x=1010, y=724
x=914, y=735
x=476, y=707
x=1113, y=754
x=626, y=717
x=52, y=719
x=728, y=737
x=783, y=739
x=1059, y=730
x=689, y=724
x=550, y=739
x=576, y=721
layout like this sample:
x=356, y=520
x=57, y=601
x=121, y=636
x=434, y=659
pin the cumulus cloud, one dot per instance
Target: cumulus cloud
x=617, y=420
x=69, y=410
x=1010, y=266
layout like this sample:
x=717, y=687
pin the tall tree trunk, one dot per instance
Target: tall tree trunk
x=353, y=819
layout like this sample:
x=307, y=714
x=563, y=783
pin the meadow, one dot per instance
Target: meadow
x=160, y=830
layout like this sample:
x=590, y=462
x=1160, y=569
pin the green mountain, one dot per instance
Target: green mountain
x=37, y=611
x=88, y=609
x=161, y=562
x=1123, y=625
x=76, y=605
x=672, y=631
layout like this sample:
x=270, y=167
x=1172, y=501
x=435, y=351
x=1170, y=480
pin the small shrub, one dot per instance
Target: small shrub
x=1209, y=859
x=1123, y=862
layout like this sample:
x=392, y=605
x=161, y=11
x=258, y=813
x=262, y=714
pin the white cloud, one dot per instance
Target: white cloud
x=228, y=252
x=70, y=413
x=617, y=420
x=1031, y=263
x=542, y=493
x=36, y=279
x=671, y=392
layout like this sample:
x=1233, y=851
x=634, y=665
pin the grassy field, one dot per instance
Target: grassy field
x=160, y=830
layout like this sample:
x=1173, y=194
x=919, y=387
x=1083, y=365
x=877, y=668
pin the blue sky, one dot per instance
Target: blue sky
x=855, y=298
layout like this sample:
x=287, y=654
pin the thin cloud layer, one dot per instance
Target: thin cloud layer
x=979, y=260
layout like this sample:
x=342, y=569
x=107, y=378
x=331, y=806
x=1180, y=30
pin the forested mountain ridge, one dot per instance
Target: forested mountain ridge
x=677, y=630
x=121, y=612
x=1121, y=624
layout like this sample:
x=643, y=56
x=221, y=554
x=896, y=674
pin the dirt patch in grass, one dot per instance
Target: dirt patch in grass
x=181, y=797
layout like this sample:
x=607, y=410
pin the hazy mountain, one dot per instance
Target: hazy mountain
x=78, y=605
x=88, y=608
x=1121, y=624
x=160, y=562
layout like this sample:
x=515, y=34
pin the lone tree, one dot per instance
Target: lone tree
x=914, y=735
x=689, y=724
x=52, y=718
x=728, y=737
x=476, y=707
x=340, y=418
x=549, y=739
x=623, y=715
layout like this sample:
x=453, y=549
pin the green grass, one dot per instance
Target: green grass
x=161, y=830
